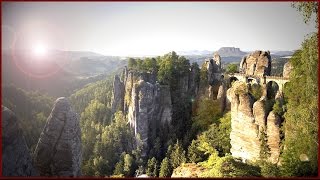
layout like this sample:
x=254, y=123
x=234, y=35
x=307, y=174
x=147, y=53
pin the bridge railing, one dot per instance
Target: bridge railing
x=259, y=76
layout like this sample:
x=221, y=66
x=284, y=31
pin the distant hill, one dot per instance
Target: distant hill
x=282, y=53
x=231, y=51
x=60, y=73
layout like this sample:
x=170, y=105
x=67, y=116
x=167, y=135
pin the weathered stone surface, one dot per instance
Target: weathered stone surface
x=194, y=81
x=58, y=152
x=188, y=170
x=16, y=159
x=150, y=104
x=287, y=68
x=222, y=95
x=117, y=95
x=273, y=132
x=257, y=63
x=260, y=114
x=244, y=134
x=213, y=67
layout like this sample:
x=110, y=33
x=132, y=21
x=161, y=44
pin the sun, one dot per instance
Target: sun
x=40, y=49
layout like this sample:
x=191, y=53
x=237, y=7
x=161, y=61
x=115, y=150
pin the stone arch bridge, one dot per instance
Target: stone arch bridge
x=254, y=79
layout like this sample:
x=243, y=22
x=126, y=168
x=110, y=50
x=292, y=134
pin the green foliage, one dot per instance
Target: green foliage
x=132, y=63
x=228, y=167
x=301, y=127
x=100, y=90
x=110, y=142
x=277, y=108
x=218, y=136
x=152, y=167
x=264, y=148
x=165, y=168
x=232, y=68
x=203, y=76
x=268, y=169
x=208, y=112
x=307, y=9
x=194, y=154
x=256, y=91
x=177, y=156
x=32, y=110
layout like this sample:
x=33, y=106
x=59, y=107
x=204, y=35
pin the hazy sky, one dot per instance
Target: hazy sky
x=152, y=28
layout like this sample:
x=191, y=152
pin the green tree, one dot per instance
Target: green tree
x=128, y=165
x=308, y=9
x=165, y=169
x=232, y=68
x=194, y=154
x=177, y=155
x=132, y=63
x=300, y=155
x=152, y=167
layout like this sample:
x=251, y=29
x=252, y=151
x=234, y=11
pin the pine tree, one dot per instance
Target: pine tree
x=177, y=155
x=165, y=169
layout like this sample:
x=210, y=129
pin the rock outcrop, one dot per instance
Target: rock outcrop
x=244, y=134
x=150, y=105
x=58, y=152
x=257, y=63
x=16, y=159
x=287, y=68
x=248, y=121
x=188, y=170
x=222, y=96
x=213, y=67
x=273, y=131
x=118, y=95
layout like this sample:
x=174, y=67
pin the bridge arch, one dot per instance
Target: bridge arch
x=272, y=89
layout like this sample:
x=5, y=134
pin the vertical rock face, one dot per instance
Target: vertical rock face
x=58, y=152
x=222, y=96
x=16, y=159
x=244, y=134
x=150, y=104
x=273, y=131
x=194, y=80
x=259, y=113
x=118, y=95
x=287, y=68
x=214, y=69
x=257, y=63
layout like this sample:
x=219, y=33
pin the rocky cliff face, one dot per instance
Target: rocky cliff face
x=273, y=131
x=248, y=121
x=118, y=95
x=213, y=69
x=287, y=70
x=244, y=134
x=16, y=159
x=150, y=106
x=257, y=63
x=58, y=152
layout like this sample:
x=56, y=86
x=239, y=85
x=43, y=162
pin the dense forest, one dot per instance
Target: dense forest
x=200, y=132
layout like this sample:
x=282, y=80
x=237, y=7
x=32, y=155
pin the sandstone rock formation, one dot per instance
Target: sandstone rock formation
x=150, y=105
x=213, y=67
x=188, y=170
x=222, y=95
x=118, y=95
x=16, y=159
x=58, y=152
x=273, y=131
x=244, y=134
x=248, y=121
x=257, y=63
x=287, y=68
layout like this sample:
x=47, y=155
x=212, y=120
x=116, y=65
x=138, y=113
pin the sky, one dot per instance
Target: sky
x=152, y=28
